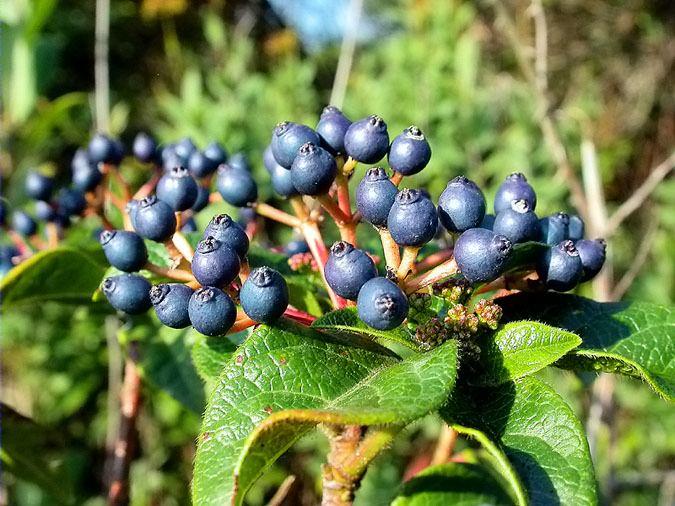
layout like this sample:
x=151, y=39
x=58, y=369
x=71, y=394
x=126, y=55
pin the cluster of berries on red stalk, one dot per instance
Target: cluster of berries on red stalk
x=311, y=169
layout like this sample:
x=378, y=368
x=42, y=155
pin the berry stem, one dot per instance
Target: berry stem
x=183, y=246
x=528, y=281
x=119, y=179
x=343, y=221
x=177, y=274
x=433, y=260
x=407, y=261
x=275, y=214
x=147, y=188
x=25, y=250
x=244, y=271
x=392, y=253
x=242, y=323
x=349, y=166
x=52, y=235
x=342, y=184
x=37, y=242
x=396, y=178
x=441, y=271
x=299, y=316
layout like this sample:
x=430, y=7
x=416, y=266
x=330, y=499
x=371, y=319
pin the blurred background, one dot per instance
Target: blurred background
x=578, y=95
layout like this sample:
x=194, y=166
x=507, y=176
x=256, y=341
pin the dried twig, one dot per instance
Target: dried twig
x=344, y=65
x=281, y=494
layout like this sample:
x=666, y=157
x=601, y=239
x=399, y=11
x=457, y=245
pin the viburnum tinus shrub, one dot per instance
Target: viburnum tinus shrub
x=434, y=306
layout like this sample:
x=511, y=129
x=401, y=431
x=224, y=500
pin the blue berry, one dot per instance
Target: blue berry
x=189, y=226
x=154, y=219
x=514, y=187
x=461, y=206
x=592, y=254
x=23, y=223
x=200, y=165
x=381, y=304
x=575, y=228
x=145, y=148
x=178, y=189
x=367, y=140
x=412, y=220
x=215, y=263
x=409, y=152
x=554, y=229
x=202, y=199
x=481, y=254
x=118, y=152
x=264, y=295
x=560, y=267
x=487, y=222
x=71, y=202
x=518, y=224
x=236, y=186
x=38, y=186
x=375, y=195
x=101, y=149
x=313, y=170
x=170, y=158
x=287, y=139
x=332, y=127
x=239, y=161
x=296, y=246
x=211, y=311
x=216, y=153
x=86, y=175
x=230, y=233
x=347, y=269
x=44, y=211
x=132, y=208
x=184, y=148
x=171, y=302
x=124, y=250
x=129, y=293
x=246, y=216
x=282, y=182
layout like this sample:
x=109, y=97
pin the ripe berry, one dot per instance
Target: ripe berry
x=295, y=247
x=347, y=269
x=38, y=186
x=215, y=263
x=481, y=254
x=575, y=228
x=375, y=195
x=514, y=187
x=200, y=165
x=144, y=148
x=129, y=293
x=413, y=219
x=171, y=304
x=86, y=176
x=487, y=222
x=518, y=224
x=211, y=311
x=101, y=149
x=44, y=211
x=71, y=202
x=367, y=140
x=313, y=170
x=409, y=152
x=124, y=250
x=170, y=158
x=154, y=219
x=184, y=148
x=202, y=199
x=118, y=152
x=332, y=127
x=381, y=304
x=554, y=229
x=216, y=153
x=287, y=139
x=282, y=182
x=236, y=186
x=131, y=209
x=23, y=223
x=461, y=206
x=592, y=254
x=178, y=189
x=560, y=267
x=230, y=233
x=264, y=295
x=239, y=161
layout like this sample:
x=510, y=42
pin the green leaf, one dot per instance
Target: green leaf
x=347, y=322
x=211, y=354
x=166, y=363
x=455, y=484
x=259, y=256
x=302, y=295
x=631, y=338
x=62, y=274
x=521, y=348
x=524, y=255
x=537, y=431
x=284, y=380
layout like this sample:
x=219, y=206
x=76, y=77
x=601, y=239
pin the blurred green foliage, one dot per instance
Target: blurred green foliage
x=446, y=66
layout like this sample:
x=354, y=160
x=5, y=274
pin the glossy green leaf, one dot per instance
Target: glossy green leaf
x=211, y=354
x=284, y=380
x=347, y=322
x=521, y=348
x=631, y=338
x=62, y=274
x=538, y=432
x=452, y=484
x=259, y=256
